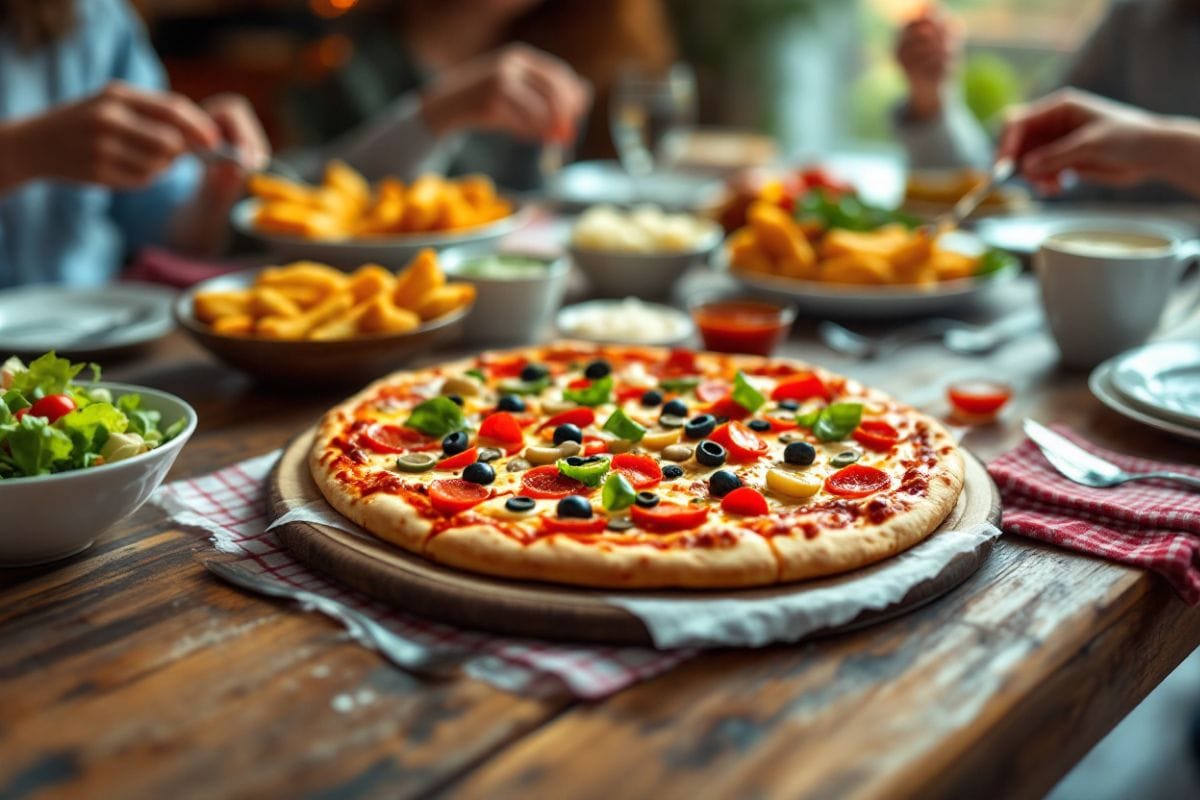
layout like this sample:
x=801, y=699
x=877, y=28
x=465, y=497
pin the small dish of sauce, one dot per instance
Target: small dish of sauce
x=743, y=325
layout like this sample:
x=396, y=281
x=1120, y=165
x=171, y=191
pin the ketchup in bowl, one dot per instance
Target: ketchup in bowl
x=754, y=327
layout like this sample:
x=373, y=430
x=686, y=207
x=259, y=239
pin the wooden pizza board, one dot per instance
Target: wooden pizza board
x=548, y=611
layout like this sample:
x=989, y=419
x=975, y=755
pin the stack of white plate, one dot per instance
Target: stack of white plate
x=1157, y=385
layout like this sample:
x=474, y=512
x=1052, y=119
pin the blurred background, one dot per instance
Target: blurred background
x=780, y=67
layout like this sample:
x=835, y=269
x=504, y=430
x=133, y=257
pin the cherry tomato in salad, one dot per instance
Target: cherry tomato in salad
x=452, y=495
x=53, y=407
x=979, y=397
x=574, y=524
x=857, y=480
x=745, y=502
x=740, y=442
x=395, y=439
x=581, y=417
x=668, y=517
x=20, y=412
x=501, y=427
x=804, y=387
x=459, y=460
x=876, y=435
x=641, y=471
x=547, y=483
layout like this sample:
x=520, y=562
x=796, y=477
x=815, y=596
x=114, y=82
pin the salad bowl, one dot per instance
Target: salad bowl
x=49, y=517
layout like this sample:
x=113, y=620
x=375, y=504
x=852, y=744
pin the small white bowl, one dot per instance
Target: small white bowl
x=49, y=517
x=614, y=273
x=569, y=318
x=509, y=310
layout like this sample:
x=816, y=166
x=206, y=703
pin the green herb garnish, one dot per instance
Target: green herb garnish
x=993, y=261
x=594, y=394
x=437, y=416
x=832, y=423
x=620, y=425
x=477, y=374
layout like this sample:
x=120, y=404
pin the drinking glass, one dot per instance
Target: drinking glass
x=651, y=115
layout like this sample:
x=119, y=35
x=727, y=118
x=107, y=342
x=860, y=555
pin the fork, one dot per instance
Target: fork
x=225, y=153
x=407, y=655
x=1080, y=466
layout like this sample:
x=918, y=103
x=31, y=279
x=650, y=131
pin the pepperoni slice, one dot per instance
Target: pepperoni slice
x=876, y=435
x=573, y=416
x=574, y=525
x=453, y=495
x=641, y=471
x=728, y=408
x=745, y=502
x=804, y=387
x=740, y=441
x=857, y=480
x=395, y=439
x=547, y=483
x=668, y=517
x=459, y=460
x=710, y=391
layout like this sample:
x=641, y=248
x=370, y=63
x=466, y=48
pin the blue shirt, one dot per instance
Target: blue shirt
x=57, y=232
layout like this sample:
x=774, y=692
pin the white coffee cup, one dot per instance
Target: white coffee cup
x=1104, y=291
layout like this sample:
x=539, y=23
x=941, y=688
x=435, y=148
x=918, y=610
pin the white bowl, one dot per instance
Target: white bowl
x=682, y=333
x=392, y=251
x=509, y=310
x=621, y=274
x=48, y=517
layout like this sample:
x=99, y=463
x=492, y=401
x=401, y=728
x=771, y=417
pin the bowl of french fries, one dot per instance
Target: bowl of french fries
x=310, y=321
x=840, y=258
x=346, y=221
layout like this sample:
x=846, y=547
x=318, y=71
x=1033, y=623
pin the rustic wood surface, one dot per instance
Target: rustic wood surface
x=527, y=608
x=129, y=672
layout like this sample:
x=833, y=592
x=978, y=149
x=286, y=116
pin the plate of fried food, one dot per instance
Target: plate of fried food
x=309, y=321
x=833, y=255
x=345, y=221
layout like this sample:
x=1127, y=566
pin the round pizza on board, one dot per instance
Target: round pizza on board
x=637, y=467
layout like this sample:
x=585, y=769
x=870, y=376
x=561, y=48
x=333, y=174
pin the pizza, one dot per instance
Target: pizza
x=636, y=467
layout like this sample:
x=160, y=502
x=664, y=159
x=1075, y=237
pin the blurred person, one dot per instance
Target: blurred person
x=1101, y=142
x=1143, y=53
x=94, y=149
x=460, y=86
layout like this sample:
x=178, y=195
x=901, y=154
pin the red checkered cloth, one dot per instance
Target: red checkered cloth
x=1151, y=524
x=230, y=505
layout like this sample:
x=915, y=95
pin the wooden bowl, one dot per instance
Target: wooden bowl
x=349, y=361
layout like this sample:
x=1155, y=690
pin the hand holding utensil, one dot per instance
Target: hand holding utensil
x=1002, y=170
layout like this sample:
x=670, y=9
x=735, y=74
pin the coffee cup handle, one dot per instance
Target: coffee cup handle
x=1189, y=251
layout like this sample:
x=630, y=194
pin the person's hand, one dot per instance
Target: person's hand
x=240, y=129
x=1098, y=140
x=928, y=49
x=122, y=137
x=517, y=89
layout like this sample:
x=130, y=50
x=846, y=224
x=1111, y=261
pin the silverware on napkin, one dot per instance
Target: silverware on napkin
x=407, y=655
x=1080, y=466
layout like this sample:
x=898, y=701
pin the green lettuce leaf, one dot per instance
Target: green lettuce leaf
x=35, y=447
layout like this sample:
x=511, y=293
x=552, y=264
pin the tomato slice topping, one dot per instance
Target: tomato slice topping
x=681, y=361
x=668, y=517
x=641, y=471
x=501, y=427
x=979, y=396
x=728, y=408
x=745, y=502
x=459, y=460
x=740, y=441
x=547, y=483
x=626, y=393
x=801, y=388
x=453, y=495
x=574, y=525
x=395, y=439
x=876, y=435
x=857, y=480
x=579, y=383
x=573, y=416
x=595, y=447
x=506, y=367
x=779, y=424
x=710, y=391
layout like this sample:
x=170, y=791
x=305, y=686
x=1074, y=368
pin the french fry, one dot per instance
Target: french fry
x=348, y=184
x=369, y=280
x=234, y=325
x=950, y=265
x=211, y=306
x=294, y=219
x=267, y=301
x=857, y=268
x=418, y=280
x=423, y=204
x=343, y=326
x=445, y=299
x=304, y=273
x=383, y=316
x=779, y=237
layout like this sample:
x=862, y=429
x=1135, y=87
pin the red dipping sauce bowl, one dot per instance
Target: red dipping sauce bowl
x=742, y=325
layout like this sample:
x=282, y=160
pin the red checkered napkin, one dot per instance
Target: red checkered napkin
x=1151, y=524
x=230, y=505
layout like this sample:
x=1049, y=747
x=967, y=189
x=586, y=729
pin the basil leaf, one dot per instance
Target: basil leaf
x=745, y=395
x=618, y=493
x=590, y=473
x=809, y=418
x=525, y=387
x=477, y=374
x=620, y=425
x=437, y=416
x=837, y=421
x=594, y=394
x=679, y=384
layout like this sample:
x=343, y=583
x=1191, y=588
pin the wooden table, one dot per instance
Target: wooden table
x=129, y=672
